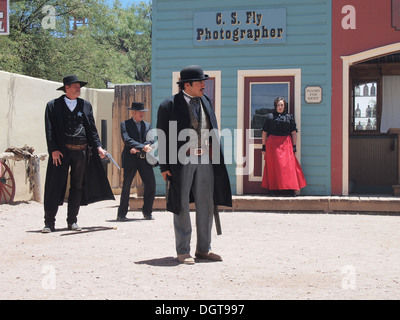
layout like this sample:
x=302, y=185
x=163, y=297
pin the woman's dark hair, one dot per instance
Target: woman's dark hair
x=279, y=99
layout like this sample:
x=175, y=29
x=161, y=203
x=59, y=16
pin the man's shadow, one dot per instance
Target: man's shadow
x=169, y=262
x=56, y=230
x=160, y=262
x=127, y=220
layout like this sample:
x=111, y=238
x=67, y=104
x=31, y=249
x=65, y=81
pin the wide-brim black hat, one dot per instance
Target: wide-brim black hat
x=138, y=106
x=68, y=80
x=192, y=73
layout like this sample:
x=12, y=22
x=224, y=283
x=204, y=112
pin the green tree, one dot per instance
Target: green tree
x=129, y=32
x=111, y=44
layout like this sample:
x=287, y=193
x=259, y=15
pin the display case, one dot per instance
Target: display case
x=366, y=106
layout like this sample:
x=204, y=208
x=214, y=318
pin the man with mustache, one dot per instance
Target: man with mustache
x=196, y=175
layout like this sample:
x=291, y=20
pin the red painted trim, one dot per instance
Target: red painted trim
x=373, y=29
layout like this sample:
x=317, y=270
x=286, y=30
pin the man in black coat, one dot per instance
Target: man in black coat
x=195, y=166
x=73, y=143
x=134, y=132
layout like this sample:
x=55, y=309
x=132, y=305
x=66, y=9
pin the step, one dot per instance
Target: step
x=326, y=204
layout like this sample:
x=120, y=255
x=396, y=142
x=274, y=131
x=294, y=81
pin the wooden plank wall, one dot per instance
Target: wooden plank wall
x=124, y=95
x=373, y=160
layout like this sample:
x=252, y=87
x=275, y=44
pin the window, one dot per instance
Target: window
x=366, y=106
x=262, y=96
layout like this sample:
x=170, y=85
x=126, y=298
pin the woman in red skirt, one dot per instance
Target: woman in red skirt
x=282, y=172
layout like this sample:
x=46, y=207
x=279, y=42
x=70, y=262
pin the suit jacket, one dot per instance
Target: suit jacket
x=132, y=139
x=175, y=109
x=95, y=184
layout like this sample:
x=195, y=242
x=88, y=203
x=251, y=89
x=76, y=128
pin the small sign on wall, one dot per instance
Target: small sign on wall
x=313, y=94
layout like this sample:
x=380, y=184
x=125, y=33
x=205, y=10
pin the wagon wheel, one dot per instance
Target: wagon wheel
x=7, y=184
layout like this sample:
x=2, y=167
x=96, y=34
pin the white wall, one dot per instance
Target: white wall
x=22, y=104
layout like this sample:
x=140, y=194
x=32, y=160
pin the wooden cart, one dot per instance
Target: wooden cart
x=7, y=181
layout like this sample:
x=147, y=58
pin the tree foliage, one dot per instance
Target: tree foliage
x=111, y=44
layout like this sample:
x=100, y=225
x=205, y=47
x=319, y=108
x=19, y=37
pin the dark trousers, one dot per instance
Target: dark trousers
x=147, y=174
x=56, y=180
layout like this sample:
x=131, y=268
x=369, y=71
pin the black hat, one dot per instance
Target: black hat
x=68, y=80
x=138, y=106
x=192, y=73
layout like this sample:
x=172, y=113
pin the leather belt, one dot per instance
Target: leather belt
x=76, y=147
x=196, y=151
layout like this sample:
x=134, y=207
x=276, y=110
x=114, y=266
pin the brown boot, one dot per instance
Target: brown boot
x=185, y=259
x=208, y=256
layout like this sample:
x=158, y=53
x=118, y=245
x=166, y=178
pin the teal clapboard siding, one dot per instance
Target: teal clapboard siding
x=307, y=47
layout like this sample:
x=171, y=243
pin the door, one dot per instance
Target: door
x=259, y=96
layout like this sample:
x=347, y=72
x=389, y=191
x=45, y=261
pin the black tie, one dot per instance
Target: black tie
x=195, y=105
x=139, y=126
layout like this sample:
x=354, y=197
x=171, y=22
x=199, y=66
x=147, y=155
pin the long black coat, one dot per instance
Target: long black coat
x=175, y=109
x=132, y=139
x=95, y=184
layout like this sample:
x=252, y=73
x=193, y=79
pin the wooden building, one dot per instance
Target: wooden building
x=320, y=54
x=253, y=51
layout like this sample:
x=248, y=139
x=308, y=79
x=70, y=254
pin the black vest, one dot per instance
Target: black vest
x=73, y=124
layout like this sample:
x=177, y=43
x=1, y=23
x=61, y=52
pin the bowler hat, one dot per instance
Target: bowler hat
x=138, y=106
x=192, y=73
x=68, y=80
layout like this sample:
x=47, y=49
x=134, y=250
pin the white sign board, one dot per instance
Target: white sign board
x=313, y=94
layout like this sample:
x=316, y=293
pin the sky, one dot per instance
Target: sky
x=127, y=2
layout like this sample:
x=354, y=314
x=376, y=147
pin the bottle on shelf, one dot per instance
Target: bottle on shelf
x=373, y=89
x=374, y=111
x=357, y=90
x=366, y=90
x=368, y=112
x=359, y=126
x=369, y=125
x=358, y=111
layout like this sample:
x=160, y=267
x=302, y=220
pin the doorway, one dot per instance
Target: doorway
x=257, y=90
x=374, y=115
x=260, y=93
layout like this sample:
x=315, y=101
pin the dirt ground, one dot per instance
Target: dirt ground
x=265, y=256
